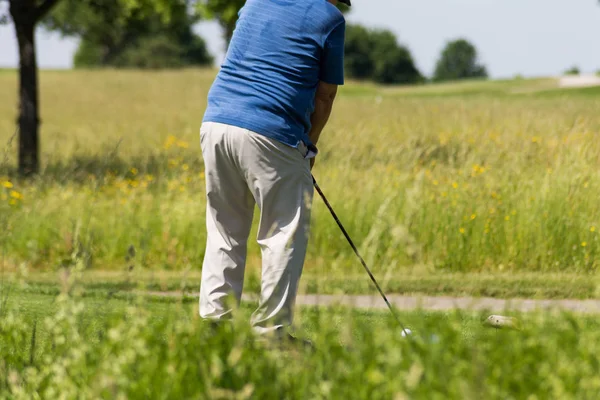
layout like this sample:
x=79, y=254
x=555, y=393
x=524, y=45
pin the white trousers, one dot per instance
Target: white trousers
x=242, y=169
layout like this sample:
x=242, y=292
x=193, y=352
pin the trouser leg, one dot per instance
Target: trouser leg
x=229, y=210
x=280, y=180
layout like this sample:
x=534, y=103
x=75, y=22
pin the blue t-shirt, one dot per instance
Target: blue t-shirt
x=279, y=52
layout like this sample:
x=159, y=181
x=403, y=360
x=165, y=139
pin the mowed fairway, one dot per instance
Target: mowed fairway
x=493, y=177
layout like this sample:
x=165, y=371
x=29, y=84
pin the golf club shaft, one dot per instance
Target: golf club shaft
x=364, y=264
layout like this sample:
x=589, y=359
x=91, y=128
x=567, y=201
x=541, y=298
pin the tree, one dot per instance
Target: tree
x=112, y=35
x=358, y=57
x=393, y=64
x=376, y=55
x=459, y=61
x=26, y=15
x=573, y=71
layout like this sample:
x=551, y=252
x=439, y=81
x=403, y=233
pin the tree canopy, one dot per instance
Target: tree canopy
x=458, y=61
x=376, y=55
x=114, y=34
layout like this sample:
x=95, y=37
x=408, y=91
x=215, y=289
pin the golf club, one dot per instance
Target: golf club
x=364, y=264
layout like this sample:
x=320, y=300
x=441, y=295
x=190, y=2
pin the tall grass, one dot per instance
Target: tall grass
x=461, y=181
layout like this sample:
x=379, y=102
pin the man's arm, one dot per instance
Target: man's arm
x=324, y=98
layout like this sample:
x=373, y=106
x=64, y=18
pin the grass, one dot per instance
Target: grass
x=505, y=286
x=481, y=179
x=134, y=348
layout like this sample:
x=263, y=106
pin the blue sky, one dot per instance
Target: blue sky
x=528, y=37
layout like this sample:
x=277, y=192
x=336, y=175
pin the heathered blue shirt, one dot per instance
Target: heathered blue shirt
x=279, y=52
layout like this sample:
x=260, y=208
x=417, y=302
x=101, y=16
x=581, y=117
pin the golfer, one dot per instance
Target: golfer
x=266, y=111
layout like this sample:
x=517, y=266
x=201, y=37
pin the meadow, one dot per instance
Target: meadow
x=498, y=178
x=478, y=188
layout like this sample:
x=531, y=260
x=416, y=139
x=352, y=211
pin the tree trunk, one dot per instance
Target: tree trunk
x=28, y=100
x=24, y=17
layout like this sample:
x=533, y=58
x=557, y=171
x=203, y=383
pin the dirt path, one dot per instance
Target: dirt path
x=408, y=303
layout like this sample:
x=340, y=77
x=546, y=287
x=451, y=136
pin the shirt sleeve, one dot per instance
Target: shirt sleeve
x=332, y=63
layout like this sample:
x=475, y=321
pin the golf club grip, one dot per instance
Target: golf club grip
x=364, y=264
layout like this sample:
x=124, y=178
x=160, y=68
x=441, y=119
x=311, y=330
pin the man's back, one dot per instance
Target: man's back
x=279, y=52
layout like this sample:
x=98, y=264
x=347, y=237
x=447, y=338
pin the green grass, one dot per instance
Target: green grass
x=503, y=181
x=499, y=285
x=136, y=348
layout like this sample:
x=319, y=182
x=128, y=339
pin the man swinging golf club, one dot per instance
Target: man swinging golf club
x=266, y=111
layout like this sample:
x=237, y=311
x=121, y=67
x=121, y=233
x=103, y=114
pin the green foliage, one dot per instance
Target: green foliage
x=143, y=35
x=573, y=71
x=459, y=61
x=358, y=58
x=376, y=55
x=103, y=348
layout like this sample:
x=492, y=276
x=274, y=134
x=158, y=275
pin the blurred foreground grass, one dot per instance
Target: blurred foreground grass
x=72, y=347
x=482, y=176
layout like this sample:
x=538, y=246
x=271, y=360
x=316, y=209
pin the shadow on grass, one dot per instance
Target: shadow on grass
x=81, y=169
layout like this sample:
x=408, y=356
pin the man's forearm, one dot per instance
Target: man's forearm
x=319, y=118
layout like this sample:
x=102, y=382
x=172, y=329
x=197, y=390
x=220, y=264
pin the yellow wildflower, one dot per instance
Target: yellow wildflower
x=462, y=231
x=473, y=217
x=584, y=244
x=16, y=195
x=593, y=229
x=170, y=142
x=8, y=185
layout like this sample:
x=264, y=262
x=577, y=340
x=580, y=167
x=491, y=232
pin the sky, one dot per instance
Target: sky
x=526, y=37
